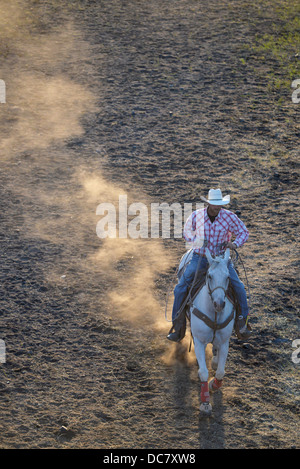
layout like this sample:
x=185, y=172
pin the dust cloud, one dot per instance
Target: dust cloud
x=44, y=104
x=44, y=108
x=133, y=264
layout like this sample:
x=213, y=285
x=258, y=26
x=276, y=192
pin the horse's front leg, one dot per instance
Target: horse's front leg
x=205, y=407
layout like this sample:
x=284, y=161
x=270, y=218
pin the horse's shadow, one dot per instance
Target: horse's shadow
x=211, y=433
x=211, y=429
x=183, y=382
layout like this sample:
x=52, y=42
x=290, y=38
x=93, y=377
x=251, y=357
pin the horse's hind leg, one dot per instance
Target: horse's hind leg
x=214, y=360
x=223, y=352
x=216, y=383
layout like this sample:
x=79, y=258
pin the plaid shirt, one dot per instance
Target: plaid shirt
x=201, y=232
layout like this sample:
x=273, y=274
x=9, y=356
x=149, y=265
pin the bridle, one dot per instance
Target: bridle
x=210, y=291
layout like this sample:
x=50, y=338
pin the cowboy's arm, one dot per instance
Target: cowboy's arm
x=238, y=228
x=189, y=231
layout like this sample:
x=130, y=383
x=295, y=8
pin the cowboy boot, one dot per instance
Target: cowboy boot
x=243, y=329
x=179, y=327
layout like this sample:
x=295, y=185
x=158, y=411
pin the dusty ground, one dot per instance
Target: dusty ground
x=155, y=100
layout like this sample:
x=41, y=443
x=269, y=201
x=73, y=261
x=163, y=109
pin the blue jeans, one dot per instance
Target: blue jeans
x=180, y=291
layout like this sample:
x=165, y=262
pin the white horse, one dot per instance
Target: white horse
x=212, y=319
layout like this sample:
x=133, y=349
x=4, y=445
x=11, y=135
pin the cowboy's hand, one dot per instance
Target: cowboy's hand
x=231, y=245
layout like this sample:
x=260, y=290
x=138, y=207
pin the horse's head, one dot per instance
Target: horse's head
x=217, y=279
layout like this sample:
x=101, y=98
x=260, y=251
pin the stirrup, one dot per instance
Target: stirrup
x=177, y=331
x=175, y=336
x=243, y=329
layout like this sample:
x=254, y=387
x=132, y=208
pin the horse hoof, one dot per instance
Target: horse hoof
x=214, y=385
x=205, y=408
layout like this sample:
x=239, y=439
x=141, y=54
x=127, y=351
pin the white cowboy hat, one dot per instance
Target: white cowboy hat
x=215, y=197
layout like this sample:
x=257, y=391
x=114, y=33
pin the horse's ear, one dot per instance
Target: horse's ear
x=208, y=255
x=227, y=254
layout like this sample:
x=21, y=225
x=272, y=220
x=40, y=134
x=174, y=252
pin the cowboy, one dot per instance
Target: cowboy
x=216, y=225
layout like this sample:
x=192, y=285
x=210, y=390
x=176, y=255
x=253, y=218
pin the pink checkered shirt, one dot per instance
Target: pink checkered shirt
x=202, y=233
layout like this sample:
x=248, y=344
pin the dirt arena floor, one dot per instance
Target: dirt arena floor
x=159, y=101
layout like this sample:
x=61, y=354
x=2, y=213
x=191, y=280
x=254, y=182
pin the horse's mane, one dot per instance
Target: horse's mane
x=218, y=258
